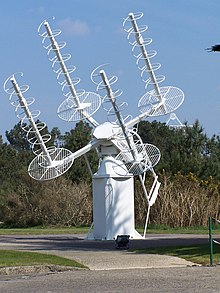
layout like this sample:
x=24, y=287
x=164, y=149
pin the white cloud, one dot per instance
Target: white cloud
x=74, y=27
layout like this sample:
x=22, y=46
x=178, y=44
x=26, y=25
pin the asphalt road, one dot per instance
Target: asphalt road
x=179, y=280
x=79, y=242
x=111, y=270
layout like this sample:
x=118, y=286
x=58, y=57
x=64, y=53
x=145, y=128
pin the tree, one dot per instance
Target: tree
x=56, y=137
x=17, y=137
x=186, y=150
x=11, y=167
x=74, y=140
x=168, y=140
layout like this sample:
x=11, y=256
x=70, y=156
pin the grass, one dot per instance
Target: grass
x=10, y=258
x=44, y=230
x=196, y=253
x=181, y=230
x=84, y=230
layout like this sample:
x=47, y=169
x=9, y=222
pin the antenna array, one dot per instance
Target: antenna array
x=121, y=150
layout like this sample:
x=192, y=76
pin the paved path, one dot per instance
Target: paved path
x=102, y=255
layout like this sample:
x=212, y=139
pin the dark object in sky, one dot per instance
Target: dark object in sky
x=215, y=48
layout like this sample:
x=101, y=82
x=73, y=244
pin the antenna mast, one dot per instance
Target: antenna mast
x=34, y=127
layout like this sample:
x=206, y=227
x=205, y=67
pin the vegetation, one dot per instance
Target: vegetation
x=46, y=230
x=198, y=254
x=10, y=258
x=162, y=229
x=189, y=171
x=152, y=229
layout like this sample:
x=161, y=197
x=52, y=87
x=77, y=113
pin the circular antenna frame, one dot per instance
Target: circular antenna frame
x=148, y=156
x=89, y=103
x=61, y=162
x=172, y=98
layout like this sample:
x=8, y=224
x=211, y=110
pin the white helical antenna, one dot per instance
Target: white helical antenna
x=115, y=94
x=136, y=157
x=50, y=162
x=79, y=104
x=159, y=100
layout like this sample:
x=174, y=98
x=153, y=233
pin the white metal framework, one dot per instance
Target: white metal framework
x=174, y=122
x=121, y=151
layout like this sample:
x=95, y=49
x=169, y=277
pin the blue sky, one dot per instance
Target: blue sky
x=92, y=29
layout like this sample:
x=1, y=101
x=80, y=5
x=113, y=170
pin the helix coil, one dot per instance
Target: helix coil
x=142, y=58
x=50, y=162
x=54, y=59
x=78, y=104
x=158, y=100
x=106, y=101
x=24, y=120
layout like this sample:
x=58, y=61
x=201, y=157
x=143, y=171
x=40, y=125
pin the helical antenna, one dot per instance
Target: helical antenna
x=159, y=100
x=107, y=102
x=50, y=162
x=134, y=155
x=78, y=104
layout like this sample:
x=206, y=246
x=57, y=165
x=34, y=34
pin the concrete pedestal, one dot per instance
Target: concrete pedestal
x=113, y=202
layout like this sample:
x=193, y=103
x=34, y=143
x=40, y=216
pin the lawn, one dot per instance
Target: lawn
x=196, y=253
x=44, y=230
x=182, y=230
x=10, y=258
x=84, y=230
